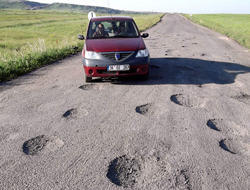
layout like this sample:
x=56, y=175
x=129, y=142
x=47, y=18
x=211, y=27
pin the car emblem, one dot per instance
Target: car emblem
x=117, y=56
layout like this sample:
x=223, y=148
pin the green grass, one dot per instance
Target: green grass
x=235, y=26
x=146, y=21
x=31, y=39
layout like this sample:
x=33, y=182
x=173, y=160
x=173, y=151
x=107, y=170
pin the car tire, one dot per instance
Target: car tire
x=88, y=79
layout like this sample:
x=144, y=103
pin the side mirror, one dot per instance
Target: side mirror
x=144, y=35
x=80, y=37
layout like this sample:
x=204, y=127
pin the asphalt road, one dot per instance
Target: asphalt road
x=187, y=127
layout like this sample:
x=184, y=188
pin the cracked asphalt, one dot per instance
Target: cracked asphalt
x=187, y=127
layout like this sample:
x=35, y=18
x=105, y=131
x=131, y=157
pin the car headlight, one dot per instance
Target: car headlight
x=91, y=55
x=142, y=53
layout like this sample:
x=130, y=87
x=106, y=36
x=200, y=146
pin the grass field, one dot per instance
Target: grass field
x=235, y=26
x=30, y=39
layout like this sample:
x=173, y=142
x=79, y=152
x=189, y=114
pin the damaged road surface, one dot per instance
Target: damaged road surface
x=187, y=127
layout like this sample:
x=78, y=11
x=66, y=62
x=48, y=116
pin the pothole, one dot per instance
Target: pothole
x=185, y=68
x=200, y=86
x=182, y=180
x=41, y=143
x=228, y=127
x=87, y=87
x=212, y=123
x=235, y=146
x=245, y=98
x=188, y=101
x=144, y=109
x=35, y=145
x=154, y=67
x=224, y=145
x=75, y=112
x=124, y=171
x=155, y=77
x=70, y=113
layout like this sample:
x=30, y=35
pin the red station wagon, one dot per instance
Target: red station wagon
x=114, y=47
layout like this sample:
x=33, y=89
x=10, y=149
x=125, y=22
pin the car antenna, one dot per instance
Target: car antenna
x=109, y=9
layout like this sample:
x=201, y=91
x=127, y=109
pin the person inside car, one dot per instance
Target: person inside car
x=123, y=30
x=114, y=27
x=100, y=32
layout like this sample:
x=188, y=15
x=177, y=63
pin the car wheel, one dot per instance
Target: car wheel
x=88, y=79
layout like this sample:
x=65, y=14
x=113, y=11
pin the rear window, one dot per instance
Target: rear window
x=112, y=29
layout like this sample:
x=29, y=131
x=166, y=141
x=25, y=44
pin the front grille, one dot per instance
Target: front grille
x=106, y=72
x=132, y=70
x=123, y=55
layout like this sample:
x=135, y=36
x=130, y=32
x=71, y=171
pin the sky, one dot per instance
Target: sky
x=169, y=6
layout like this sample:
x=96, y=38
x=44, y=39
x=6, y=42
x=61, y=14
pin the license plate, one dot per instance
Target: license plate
x=118, y=67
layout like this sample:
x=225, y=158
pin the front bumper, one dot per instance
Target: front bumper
x=102, y=71
x=98, y=67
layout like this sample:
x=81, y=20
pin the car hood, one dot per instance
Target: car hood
x=113, y=45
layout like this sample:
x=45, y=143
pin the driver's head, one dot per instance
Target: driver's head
x=122, y=26
x=101, y=27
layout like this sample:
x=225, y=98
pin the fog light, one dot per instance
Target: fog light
x=90, y=71
x=144, y=69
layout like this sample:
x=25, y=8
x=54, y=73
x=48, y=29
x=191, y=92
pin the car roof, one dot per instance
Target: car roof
x=102, y=18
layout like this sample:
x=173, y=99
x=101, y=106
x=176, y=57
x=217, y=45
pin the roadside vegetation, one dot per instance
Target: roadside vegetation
x=31, y=39
x=235, y=26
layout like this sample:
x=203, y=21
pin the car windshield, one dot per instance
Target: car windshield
x=112, y=29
